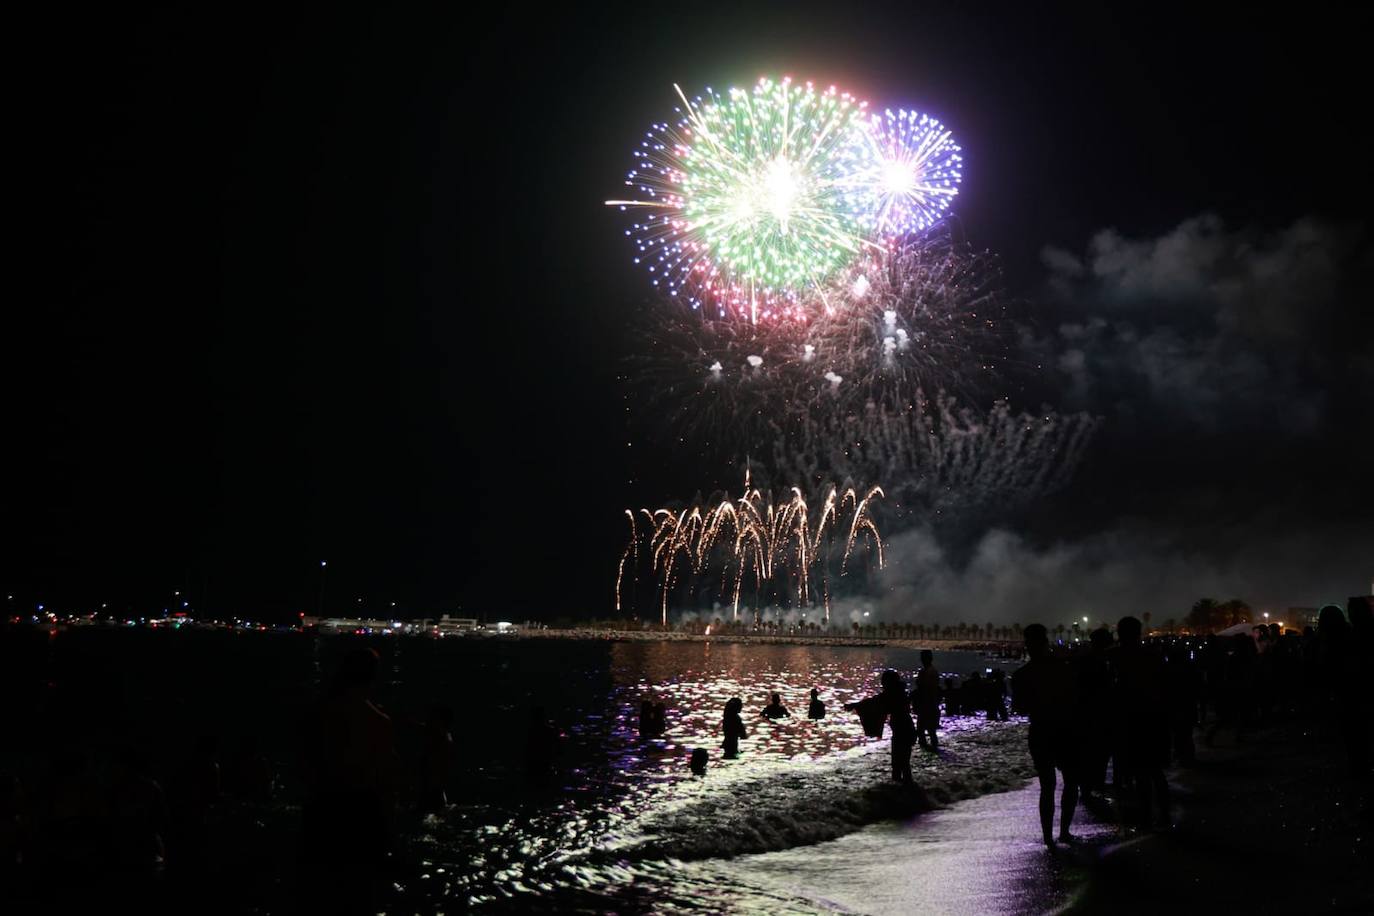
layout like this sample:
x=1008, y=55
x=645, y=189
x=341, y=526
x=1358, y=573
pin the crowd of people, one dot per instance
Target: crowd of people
x=1126, y=708
x=1109, y=715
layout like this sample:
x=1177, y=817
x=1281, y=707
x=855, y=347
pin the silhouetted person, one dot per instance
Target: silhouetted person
x=972, y=694
x=653, y=719
x=1340, y=672
x=249, y=776
x=1183, y=690
x=1095, y=696
x=1234, y=687
x=350, y=770
x=954, y=698
x=541, y=748
x=11, y=827
x=816, y=709
x=996, y=690
x=435, y=760
x=1045, y=691
x=894, y=703
x=1143, y=719
x=140, y=820
x=67, y=847
x=775, y=709
x=698, y=762
x=195, y=791
x=925, y=699
x=733, y=727
x=1214, y=654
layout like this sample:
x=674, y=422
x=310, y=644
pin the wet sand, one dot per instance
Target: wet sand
x=978, y=856
x=1271, y=826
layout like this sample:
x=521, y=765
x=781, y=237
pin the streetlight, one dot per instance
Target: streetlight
x=319, y=608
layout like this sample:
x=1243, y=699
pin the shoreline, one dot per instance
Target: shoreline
x=1272, y=825
x=1006, y=649
x=962, y=645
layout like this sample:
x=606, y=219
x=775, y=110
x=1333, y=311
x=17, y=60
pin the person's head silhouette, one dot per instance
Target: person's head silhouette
x=357, y=672
x=1331, y=622
x=1037, y=640
x=1128, y=631
x=698, y=763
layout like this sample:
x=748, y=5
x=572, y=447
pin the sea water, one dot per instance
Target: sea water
x=624, y=826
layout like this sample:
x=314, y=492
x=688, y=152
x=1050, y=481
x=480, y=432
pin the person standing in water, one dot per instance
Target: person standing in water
x=926, y=700
x=816, y=710
x=733, y=726
x=1045, y=690
x=895, y=704
x=436, y=760
x=351, y=773
x=775, y=709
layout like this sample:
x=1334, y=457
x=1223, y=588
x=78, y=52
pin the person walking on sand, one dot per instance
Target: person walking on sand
x=894, y=703
x=1045, y=691
x=926, y=700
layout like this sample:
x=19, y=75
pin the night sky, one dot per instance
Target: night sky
x=340, y=286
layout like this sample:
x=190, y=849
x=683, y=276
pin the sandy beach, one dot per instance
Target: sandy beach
x=1273, y=825
x=1269, y=826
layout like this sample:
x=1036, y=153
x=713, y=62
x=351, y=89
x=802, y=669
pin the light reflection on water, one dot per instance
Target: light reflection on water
x=629, y=804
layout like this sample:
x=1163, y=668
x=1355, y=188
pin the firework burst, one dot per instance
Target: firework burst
x=751, y=200
x=925, y=314
x=912, y=175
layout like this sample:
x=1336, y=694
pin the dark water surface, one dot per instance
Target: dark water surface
x=628, y=827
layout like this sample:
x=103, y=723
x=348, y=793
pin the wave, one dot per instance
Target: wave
x=823, y=801
x=652, y=850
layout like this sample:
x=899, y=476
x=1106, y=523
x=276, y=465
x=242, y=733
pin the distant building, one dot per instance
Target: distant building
x=1299, y=617
x=447, y=625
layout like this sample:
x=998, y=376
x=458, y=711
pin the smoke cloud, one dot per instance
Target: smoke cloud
x=1233, y=369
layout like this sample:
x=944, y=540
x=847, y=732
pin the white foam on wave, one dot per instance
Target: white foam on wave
x=814, y=801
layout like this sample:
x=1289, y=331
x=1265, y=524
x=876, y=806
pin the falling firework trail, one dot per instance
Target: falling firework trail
x=751, y=537
x=871, y=391
x=941, y=458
